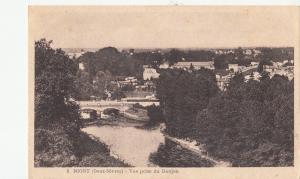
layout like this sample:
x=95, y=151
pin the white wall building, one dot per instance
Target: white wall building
x=196, y=65
x=164, y=66
x=81, y=66
x=150, y=73
x=88, y=114
x=254, y=63
x=233, y=67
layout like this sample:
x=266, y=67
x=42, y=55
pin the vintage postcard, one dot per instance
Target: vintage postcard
x=163, y=92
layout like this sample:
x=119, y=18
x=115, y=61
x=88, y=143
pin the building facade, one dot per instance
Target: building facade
x=196, y=65
x=150, y=73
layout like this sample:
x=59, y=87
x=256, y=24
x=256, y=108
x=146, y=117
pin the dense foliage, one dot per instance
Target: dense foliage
x=58, y=142
x=55, y=113
x=182, y=94
x=155, y=115
x=276, y=54
x=254, y=123
x=110, y=60
x=250, y=124
x=54, y=87
x=170, y=154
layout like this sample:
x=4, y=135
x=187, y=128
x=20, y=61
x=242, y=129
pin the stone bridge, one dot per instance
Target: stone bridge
x=99, y=106
x=122, y=106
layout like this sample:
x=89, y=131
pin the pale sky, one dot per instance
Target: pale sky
x=164, y=27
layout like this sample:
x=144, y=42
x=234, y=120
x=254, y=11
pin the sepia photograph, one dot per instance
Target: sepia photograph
x=174, y=87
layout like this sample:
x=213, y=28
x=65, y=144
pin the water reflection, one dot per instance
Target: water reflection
x=144, y=148
x=130, y=144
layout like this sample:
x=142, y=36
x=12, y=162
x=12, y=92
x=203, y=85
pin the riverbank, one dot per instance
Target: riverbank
x=199, y=151
x=97, y=154
x=53, y=148
x=171, y=154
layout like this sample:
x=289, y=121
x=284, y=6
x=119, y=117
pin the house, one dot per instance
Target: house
x=75, y=54
x=278, y=64
x=164, y=65
x=131, y=79
x=149, y=83
x=241, y=68
x=81, y=66
x=256, y=52
x=233, y=67
x=285, y=61
x=247, y=52
x=196, y=65
x=269, y=68
x=128, y=81
x=254, y=63
x=222, y=81
x=150, y=73
x=108, y=93
x=141, y=87
x=254, y=76
x=88, y=114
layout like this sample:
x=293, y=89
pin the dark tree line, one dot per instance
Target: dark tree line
x=55, y=74
x=182, y=94
x=58, y=141
x=276, y=54
x=111, y=60
x=56, y=119
x=250, y=124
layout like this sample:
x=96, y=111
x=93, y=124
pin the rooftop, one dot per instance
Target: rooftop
x=195, y=63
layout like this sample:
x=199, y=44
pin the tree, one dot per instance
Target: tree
x=235, y=82
x=192, y=68
x=109, y=59
x=239, y=53
x=101, y=82
x=240, y=57
x=199, y=55
x=262, y=63
x=221, y=62
x=83, y=85
x=155, y=114
x=54, y=87
x=265, y=76
x=174, y=56
x=182, y=94
x=117, y=95
x=278, y=85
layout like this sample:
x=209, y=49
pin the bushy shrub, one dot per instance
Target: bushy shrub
x=249, y=124
x=111, y=111
x=155, y=115
x=182, y=94
x=253, y=129
x=53, y=148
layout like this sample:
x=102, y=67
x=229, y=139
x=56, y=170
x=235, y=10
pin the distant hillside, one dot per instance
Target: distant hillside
x=77, y=50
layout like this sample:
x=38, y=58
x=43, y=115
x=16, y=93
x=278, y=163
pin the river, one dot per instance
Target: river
x=150, y=148
x=130, y=144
